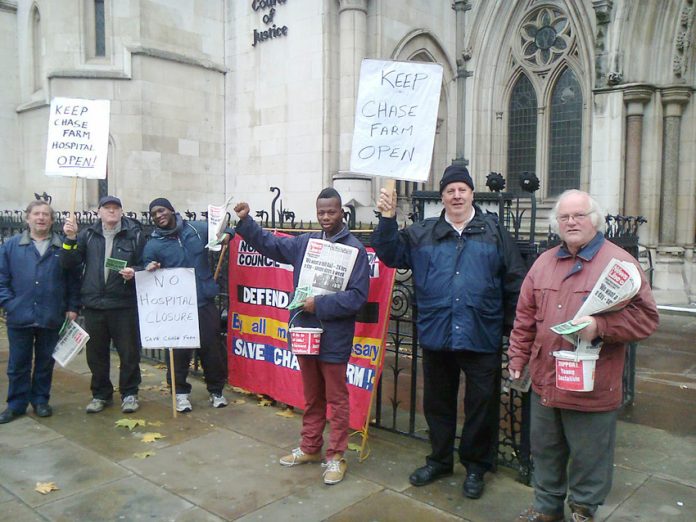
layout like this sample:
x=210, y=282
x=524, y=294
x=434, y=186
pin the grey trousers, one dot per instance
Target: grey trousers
x=573, y=453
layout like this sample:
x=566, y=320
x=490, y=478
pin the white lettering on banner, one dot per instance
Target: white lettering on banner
x=82, y=128
x=167, y=308
x=263, y=296
x=395, y=119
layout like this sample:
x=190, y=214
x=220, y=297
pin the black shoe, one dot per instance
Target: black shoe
x=427, y=474
x=9, y=415
x=473, y=485
x=43, y=410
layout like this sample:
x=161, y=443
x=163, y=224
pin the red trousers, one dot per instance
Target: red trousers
x=324, y=384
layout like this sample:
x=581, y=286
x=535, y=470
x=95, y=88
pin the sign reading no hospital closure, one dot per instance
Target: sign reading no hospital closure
x=395, y=119
x=168, y=308
x=78, y=138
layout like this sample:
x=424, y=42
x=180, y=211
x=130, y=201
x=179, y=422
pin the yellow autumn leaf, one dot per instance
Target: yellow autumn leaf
x=154, y=423
x=45, y=487
x=265, y=402
x=286, y=413
x=144, y=454
x=161, y=366
x=240, y=390
x=238, y=401
x=352, y=446
x=129, y=423
x=152, y=436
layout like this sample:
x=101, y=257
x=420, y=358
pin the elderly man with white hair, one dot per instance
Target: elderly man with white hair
x=573, y=432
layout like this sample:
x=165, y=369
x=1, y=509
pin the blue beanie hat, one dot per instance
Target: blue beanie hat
x=455, y=173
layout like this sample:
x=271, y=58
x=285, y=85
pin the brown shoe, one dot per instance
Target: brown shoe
x=335, y=470
x=580, y=513
x=298, y=457
x=531, y=515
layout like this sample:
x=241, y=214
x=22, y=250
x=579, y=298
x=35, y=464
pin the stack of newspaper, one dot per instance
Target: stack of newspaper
x=617, y=285
x=70, y=342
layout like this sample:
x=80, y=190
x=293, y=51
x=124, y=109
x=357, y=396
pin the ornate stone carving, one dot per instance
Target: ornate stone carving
x=682, y=41
x=545, y=35
x=603, y=76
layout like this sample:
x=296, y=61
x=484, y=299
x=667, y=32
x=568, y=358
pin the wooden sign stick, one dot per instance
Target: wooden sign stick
x=74, y=198
x=171, y=372
x=390, y=187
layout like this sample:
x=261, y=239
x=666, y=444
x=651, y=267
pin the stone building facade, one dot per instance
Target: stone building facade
x=219, y=98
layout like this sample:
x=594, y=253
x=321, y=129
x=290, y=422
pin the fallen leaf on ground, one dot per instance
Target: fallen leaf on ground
x=240, y=390
x=130, y=423
x=286, y=413
x=352, y=446
x=265, y=402
x=161, y=366
x=239, y=401
x=154, y=423
x=45, y=487
x=144, y=454
x=152, y=436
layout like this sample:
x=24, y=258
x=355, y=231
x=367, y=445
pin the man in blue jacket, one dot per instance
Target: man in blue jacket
x=323, y=376
x=37, y=295
x=467, y=273
x=176, y=243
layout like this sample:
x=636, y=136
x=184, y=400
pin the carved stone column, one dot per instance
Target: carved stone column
x=352, y=19
x=463, y=55
x=635, y=98
x=673, y=100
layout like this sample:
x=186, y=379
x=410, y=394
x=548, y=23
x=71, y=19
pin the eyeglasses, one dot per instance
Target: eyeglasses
x=578, y=218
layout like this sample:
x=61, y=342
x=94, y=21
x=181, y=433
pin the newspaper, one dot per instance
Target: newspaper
x=619, y=282
x=217, y=220
x=70, y=342
x=326, y=266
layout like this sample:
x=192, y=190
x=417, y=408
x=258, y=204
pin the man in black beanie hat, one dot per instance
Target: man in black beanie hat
x=467, y=272
x=177, y=243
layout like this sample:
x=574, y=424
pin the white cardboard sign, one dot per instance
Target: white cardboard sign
x=168, y=308
x=78, y=138
x=395, y=119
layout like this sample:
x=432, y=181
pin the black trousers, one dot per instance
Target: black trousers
x=441, y=371
x=212, y=353
x=121, y=326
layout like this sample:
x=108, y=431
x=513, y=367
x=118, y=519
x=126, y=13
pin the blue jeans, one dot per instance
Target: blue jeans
x=26, y=386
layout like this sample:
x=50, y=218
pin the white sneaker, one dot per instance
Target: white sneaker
x=183, y=404
x=218, y=400
x=130, y=404
x=97, y=405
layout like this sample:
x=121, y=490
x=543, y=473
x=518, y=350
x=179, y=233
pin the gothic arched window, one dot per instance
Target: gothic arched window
x=565, y=135
x=522, y=131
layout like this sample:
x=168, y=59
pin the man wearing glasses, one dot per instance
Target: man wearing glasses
x=572, y=432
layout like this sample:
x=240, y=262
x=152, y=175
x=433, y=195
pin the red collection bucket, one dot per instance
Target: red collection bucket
x=305, y=341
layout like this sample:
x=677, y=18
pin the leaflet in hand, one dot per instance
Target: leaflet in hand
x=619, y=282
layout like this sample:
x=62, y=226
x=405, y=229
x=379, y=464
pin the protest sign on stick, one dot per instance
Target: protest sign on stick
x=78, y=139
x=168, y=312
x=395, y=119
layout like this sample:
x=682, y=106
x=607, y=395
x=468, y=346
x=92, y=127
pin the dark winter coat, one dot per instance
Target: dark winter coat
x=466, y=286
x=87, y=253
x=35, y=290
x=335, y=312
x=184, y=247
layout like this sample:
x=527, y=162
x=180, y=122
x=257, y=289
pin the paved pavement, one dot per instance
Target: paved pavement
x=222, y=464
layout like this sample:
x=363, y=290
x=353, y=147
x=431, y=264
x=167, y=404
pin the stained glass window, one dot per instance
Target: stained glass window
x=522, y=132
x=565, y=135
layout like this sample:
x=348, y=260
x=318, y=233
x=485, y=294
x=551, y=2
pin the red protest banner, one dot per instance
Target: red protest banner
x=259, y=358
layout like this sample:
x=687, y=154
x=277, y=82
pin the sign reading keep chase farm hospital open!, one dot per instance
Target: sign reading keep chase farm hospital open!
x=168, y=308
x=395, y=119
x=78, y=138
